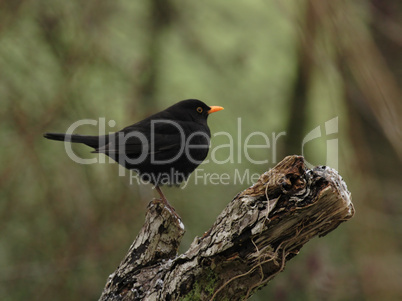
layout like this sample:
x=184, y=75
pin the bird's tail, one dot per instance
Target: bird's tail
x=92, y=141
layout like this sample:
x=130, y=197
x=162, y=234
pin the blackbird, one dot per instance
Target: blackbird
x=163, y=149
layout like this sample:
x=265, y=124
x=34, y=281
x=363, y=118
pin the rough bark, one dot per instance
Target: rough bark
x=256, y=234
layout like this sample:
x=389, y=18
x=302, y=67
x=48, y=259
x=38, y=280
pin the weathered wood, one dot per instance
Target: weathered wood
x=157, y=241
x=256, y=234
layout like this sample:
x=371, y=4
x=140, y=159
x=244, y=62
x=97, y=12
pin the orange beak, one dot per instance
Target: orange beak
x=214, y=109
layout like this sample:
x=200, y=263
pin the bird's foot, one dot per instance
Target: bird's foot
x=166, y=202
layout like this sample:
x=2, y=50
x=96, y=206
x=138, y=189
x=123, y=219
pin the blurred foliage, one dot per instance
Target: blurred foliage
x=280, y=66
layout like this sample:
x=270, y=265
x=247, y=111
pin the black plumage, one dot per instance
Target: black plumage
x=164, y=148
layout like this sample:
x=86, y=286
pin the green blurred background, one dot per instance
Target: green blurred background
x=281, y=66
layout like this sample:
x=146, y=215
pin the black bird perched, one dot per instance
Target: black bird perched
x=164, y=148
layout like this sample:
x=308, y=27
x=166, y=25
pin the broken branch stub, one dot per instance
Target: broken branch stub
x=255, y=235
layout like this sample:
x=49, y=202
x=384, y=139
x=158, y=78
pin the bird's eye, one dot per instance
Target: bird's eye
x=199, y=110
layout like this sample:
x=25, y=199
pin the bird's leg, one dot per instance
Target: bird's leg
x=163, y=198
x=165, y=201
x=168, y=206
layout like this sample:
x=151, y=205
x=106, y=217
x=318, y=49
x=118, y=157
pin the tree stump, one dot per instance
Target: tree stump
x=250, y=242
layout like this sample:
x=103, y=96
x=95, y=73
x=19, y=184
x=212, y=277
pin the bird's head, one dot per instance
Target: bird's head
x=193, y=110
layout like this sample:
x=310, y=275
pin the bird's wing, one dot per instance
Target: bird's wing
x=150, y=136
x=136, y=139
